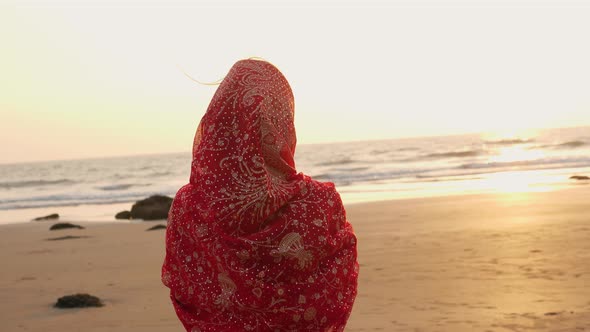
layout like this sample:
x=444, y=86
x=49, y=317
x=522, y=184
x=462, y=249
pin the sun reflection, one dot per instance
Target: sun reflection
x=513, y=147
x=516, y=153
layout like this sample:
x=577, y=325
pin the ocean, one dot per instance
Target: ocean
x=96, y=189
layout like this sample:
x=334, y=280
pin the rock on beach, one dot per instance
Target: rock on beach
x=64, y=225
x=47, y=217
x=152, y=208
x=78, y=301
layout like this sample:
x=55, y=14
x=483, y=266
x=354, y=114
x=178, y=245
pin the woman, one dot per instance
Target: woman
x=251, y=244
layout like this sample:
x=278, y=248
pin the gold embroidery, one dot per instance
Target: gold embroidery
x=292, y=246
x=228, y=288
x=309, y=313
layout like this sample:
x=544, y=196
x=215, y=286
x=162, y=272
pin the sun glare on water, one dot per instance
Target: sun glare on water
x=517, y=147
x=517, y=152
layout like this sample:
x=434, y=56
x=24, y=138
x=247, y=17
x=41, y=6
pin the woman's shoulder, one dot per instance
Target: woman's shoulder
x=324, y=190
x=318, y=184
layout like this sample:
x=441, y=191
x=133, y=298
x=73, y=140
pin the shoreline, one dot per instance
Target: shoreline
x=105, y=212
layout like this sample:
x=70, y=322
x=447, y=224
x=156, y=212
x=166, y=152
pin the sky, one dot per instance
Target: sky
x=82, y=79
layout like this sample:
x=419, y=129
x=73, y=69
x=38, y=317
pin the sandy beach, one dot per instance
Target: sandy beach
x=502, y=262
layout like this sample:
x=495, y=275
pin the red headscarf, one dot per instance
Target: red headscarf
x=251, y=244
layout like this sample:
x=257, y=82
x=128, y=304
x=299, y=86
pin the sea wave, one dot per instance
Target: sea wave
x=565, y=145
x=77, y=199
x=322, y=176
x=510, y=141
x=448, y=179
x=347, y=178
x=33, y=205
x=159, y=174
x=449, y=172
x=34, y=183
x=379, y=151
x=453, y=154
x=352, y=169
x=123, y=186
x=342, y=161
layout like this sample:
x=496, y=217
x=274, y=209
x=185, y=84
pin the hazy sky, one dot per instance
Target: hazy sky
x=97, y=78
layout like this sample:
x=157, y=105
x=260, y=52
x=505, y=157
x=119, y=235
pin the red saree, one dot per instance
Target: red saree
x=251, y=244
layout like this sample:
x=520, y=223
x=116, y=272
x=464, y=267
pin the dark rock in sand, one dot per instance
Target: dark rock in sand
x=67, y=237
x=579, y=177
x=64, y=225
x=47, y=217
x=153, y=228
x=78, y=301
x=123, y=215
x=152, y=208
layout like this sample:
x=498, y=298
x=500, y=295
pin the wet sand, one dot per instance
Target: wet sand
x=504, y=262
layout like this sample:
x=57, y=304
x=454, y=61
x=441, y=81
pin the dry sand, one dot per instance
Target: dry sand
x=505, y=262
